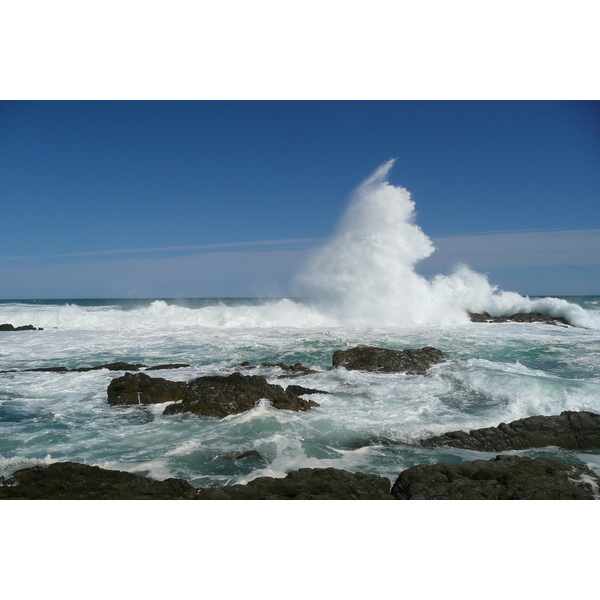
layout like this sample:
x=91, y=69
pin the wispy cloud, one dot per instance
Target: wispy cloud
x=297, y=243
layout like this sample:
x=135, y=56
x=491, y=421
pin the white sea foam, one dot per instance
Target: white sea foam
x=365, y=274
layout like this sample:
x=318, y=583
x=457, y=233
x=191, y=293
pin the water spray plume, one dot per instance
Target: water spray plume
x=365, y=274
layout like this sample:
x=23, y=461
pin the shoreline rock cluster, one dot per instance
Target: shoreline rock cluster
x=115, y=366
x=484, y=317
x=11, y=327
x=503, y=477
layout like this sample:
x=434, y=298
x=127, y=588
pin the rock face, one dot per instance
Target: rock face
x=412, y=361
x=502, y=478
x=571, y=430
x=143, y=389
x=73, y=481
x=306, y=484
x=518, y=318
x=10, y=327
x=218, y=396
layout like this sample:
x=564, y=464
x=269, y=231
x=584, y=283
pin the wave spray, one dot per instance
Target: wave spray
x=365, y=274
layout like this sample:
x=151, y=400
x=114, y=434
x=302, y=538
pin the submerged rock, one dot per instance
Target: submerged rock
x=502, y=478
x=74, y=481
x=571, y=430
x=518, y=318
x=168, y=366
x=143, y=389
x=306, y=484
x=10, y=327
x=219, y=396
x=411, y=361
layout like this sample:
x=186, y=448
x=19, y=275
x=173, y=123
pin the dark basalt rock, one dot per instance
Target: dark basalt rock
x=10, y=327
x=502, y=478
x=116, y=366
x=412, y=361
x=571, y=430
x=241, y=455
x=73, y=481
x=143, y=389
x=518, y=318
x=306, y=484
x=219, y=396
x=294, y=370
x=301, y=391
x=168, y=366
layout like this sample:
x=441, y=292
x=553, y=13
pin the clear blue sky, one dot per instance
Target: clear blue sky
x=114, y=198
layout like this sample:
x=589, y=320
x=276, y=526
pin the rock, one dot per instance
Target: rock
x=301, y=391
x=412, y=361
x=143, y=389
x=502, y=478
x=73, y=481
x=518, y=318
x=116, y=366
x=571, y=430
x=290, y=370
x=168, y=366
x=241, y=455
x=10, y=327
x=306, y=484
x=219, y=396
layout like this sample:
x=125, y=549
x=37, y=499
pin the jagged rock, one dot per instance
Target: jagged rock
x=571, y=430
x=116, y=366
x=412, y=361
x=484, y=317
x=74, y=481
x=306, y=484
x=301, y=391
x=143, y=389
x=294, y=370
x=10, y=327
x=168, y=366
x=502, y=478
x=219, y=396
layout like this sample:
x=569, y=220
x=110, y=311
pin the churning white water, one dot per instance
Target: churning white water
x=365, y=274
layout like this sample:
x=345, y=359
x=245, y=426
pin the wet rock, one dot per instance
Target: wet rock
x=366, y=358
x=518, y=318
x=219, y=396
x=116, y=366
x=573, y=430
x=10, y=327
x=306, y=484
x=502, y=478
x=241, y=455
x=301, y=391
x=168, y=366
x=74, y=481
x=294, y=370
x=143, y=389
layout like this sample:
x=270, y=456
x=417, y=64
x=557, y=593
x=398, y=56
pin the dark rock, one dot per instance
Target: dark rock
x=143, y=389
x=219, y=396
x=116, y=366
x=240, y=455
x=290, y=370
x=571, y=430
x=301, y=391
x=168, y=366
x=502, y=478
x=73, y=481
x=518, y=318
x=412, y=361
x=306, y=484
x=10, y=327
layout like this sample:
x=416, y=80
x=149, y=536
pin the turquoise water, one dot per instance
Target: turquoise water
x=368, y=422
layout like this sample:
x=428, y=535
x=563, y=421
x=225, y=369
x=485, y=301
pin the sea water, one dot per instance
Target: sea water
x=364, y=289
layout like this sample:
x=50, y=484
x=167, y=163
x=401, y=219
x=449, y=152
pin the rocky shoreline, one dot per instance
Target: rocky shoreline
x=503, y=477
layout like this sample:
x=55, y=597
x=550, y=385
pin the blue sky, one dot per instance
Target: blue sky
x=226, y=198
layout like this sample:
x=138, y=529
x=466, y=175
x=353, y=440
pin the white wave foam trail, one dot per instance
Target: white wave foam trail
x=365, y=274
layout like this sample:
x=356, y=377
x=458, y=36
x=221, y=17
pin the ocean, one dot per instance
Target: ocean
x=361, y=287
x=368, y=422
